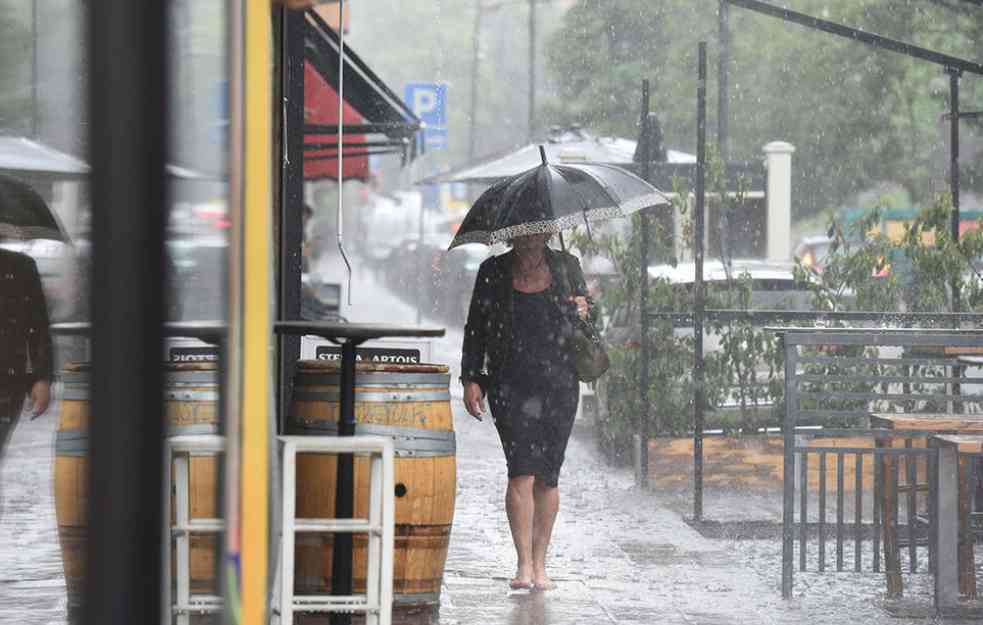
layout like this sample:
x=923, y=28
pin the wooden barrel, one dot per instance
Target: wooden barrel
x=190, y=407
x=411, y=404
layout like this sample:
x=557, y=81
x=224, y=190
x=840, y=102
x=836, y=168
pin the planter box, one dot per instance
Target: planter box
x=750, y=462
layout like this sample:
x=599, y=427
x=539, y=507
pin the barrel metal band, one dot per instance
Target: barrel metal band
x=81, y=393
x=335, y=396
x=416, y=598
x=415, y=442
x=383, y=379
x=75, y=442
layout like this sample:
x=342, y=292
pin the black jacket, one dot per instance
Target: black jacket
x=25, y=342
x=488, y=331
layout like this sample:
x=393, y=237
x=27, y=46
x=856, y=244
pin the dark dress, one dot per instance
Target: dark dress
x=535, y=404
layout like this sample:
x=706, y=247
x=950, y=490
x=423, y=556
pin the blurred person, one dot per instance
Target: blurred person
x=517, y=351
x=25, y=343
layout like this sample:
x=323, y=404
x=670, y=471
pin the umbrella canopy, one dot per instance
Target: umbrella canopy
x=24, y=214
x=550, y=198
x=562, y=148
x=21, y=155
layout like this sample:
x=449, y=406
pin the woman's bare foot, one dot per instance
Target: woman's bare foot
x=543, y=582
x=522, y=580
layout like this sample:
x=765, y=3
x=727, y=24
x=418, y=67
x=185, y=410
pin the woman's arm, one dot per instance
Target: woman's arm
x=579, y=285
x=38, y=333
x=475, y=329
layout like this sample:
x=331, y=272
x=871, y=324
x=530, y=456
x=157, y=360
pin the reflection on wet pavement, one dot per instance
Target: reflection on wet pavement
x=32, y=587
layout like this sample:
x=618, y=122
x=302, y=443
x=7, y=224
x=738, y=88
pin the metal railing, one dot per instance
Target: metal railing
x=828, y=381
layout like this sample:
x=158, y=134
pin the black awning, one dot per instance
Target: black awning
x=384, y=111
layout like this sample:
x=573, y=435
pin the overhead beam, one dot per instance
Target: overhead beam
x=876, y=41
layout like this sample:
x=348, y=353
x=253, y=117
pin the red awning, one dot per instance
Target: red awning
x=321, y=108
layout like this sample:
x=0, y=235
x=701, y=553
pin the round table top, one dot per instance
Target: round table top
x=208, y=331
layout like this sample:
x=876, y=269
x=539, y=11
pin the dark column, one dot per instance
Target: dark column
x=341, y=555
x=698, y=303
x=954, y=75
x=128, y=135
x=291, y=204
x=643, y=288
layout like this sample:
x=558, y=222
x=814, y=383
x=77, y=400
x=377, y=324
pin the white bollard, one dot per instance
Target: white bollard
x=778, y=162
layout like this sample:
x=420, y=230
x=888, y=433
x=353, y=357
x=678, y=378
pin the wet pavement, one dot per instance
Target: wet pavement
x=620, y=555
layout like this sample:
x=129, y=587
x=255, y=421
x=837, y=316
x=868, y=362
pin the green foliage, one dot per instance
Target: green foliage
x=857, y=116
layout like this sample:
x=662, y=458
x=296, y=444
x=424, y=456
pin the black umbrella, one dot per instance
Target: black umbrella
x=24, y=214
x=550, y=198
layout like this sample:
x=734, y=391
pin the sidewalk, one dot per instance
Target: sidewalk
x=619, y=556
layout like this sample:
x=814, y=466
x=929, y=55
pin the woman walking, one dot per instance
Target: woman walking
x=517, y=350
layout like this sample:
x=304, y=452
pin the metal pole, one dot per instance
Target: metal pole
x=643, y=369
x=341, y=561
x=475, y=64
x=128, y=138
x=34, y=70
x=954, y=75
x=698, y=303
x=291, y=197
x=532, y=70
x=722, y=78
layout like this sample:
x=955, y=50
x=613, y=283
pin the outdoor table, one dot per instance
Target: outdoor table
x=349, y=336
x=211, y=332
x=909, y=426
x=955, y=573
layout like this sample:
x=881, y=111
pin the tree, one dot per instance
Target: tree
x=857, y=116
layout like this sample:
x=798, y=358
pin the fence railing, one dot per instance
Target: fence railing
x=849, y=378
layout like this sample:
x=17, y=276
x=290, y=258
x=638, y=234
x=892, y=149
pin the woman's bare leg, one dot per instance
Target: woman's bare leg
x=547, y=504
x=520, y=507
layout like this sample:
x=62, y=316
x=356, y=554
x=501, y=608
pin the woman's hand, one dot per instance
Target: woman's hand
x=40, y=398
x=581, y=303
x=474, y=399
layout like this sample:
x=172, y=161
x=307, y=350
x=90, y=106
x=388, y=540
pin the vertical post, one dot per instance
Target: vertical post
x=947, y=527
x=643, y=369
x=778, y=159
x=475, y=66
x=723, y=62
x=128, y=135
x=698, y=303
x=341, y=564
x=291, y=197
x=788, y=478
x=35, y=126
x=954, y=75
x=532, y=70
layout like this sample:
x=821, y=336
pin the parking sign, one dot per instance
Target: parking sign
x=428, y=101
